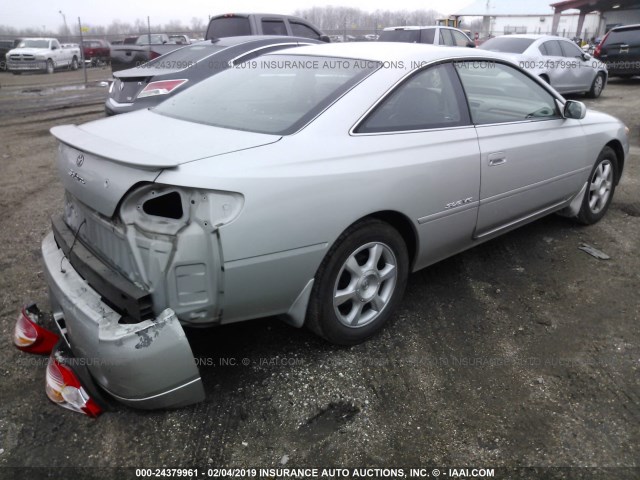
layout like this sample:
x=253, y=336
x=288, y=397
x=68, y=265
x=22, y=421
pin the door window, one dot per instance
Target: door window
x=273, y=27
x=571, y=50
x=445, y=37
x=301, y=30
x=499, y=93
x=459, y=38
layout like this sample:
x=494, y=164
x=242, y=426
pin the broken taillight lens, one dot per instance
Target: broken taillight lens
x=31, y=337
x=163, y=87
x=64, y=388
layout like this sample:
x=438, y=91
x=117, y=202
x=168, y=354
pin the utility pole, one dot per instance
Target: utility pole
x=66, y=27
x=84, y=65
x=149, y=30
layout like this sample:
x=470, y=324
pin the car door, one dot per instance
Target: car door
x=532, y=159
x=559, y=78
x=581, y=73
x=423, y=127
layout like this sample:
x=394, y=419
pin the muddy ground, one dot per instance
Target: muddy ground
x=522, y=352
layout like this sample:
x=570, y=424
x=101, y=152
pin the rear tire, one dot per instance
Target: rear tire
x=74, y=63
x=597, y=86
x=602, y=185
x=359, y=283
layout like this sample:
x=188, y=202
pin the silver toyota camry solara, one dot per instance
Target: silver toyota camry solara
x=309, y=184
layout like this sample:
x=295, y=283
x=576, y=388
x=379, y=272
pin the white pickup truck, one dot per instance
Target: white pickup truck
x=42, y=54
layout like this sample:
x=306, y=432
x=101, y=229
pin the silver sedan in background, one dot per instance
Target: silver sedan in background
x=557, y=60
x=309, y=184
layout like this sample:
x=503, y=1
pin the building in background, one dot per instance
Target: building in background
x=504, y=17
x=612, y=13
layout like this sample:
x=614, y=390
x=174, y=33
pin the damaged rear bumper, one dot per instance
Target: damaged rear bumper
x=146, y=365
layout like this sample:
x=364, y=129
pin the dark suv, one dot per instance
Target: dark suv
x=620, y=51
x=240, y=24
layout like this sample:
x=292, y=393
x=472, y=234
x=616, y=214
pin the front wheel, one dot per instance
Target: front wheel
x=597, y=86
x=602, y=185
x=359, y=284
x=50, y=68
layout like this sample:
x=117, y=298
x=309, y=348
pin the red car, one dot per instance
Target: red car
x=97, y=51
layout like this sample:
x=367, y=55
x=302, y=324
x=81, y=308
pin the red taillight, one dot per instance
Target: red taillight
x=30, y=337
x=162, y=87
x=64, y=388
x=153, y=55
x=598, y=50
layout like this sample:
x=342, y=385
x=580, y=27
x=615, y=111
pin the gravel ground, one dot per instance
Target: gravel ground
x=522, y=352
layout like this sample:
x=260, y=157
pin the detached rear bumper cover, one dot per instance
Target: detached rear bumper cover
x=144, y=365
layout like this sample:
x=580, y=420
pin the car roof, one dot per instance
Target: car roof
x=409, y=27
x=534, y=36
x=627, y=27
x=230, y=41
x=388, y=51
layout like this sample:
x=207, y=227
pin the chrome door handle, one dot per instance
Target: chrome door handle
x=498, y=158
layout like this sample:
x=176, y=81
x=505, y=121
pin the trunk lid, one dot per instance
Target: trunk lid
x=100, y=161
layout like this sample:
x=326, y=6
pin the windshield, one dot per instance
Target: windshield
x=275, y=94
x=34, y=44
x=507, y=45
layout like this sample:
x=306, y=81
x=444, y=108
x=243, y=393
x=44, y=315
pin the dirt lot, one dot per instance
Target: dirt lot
x=522, y=352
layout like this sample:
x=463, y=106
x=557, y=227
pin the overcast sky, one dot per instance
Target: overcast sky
x=38, y=13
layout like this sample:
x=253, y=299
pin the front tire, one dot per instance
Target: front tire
x=50, y=67
x=602, y=185
x=359, y=284
x=597, y=86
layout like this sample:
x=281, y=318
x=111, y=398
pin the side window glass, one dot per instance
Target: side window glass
x=499, y=93
x=460, y=39
x=431, y=98
x=553, y=48
x=445, y=37
x=300, y=30
x=570, y=50
x=543, y=49
x=273, y=27
x=427, y=35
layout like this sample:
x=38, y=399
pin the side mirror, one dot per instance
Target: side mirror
x=574, y=109
x=325, y=38
x=586, y=56
x=471, y=44
x=54, y=47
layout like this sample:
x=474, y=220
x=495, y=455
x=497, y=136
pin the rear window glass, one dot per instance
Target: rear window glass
x=185, y=55
x=407, y=36
x=507, y=45
x=228, y=27
x=276, y=94
x=629, y=37
x=153, y=39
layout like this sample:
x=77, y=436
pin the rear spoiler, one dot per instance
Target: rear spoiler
x=74, y=136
